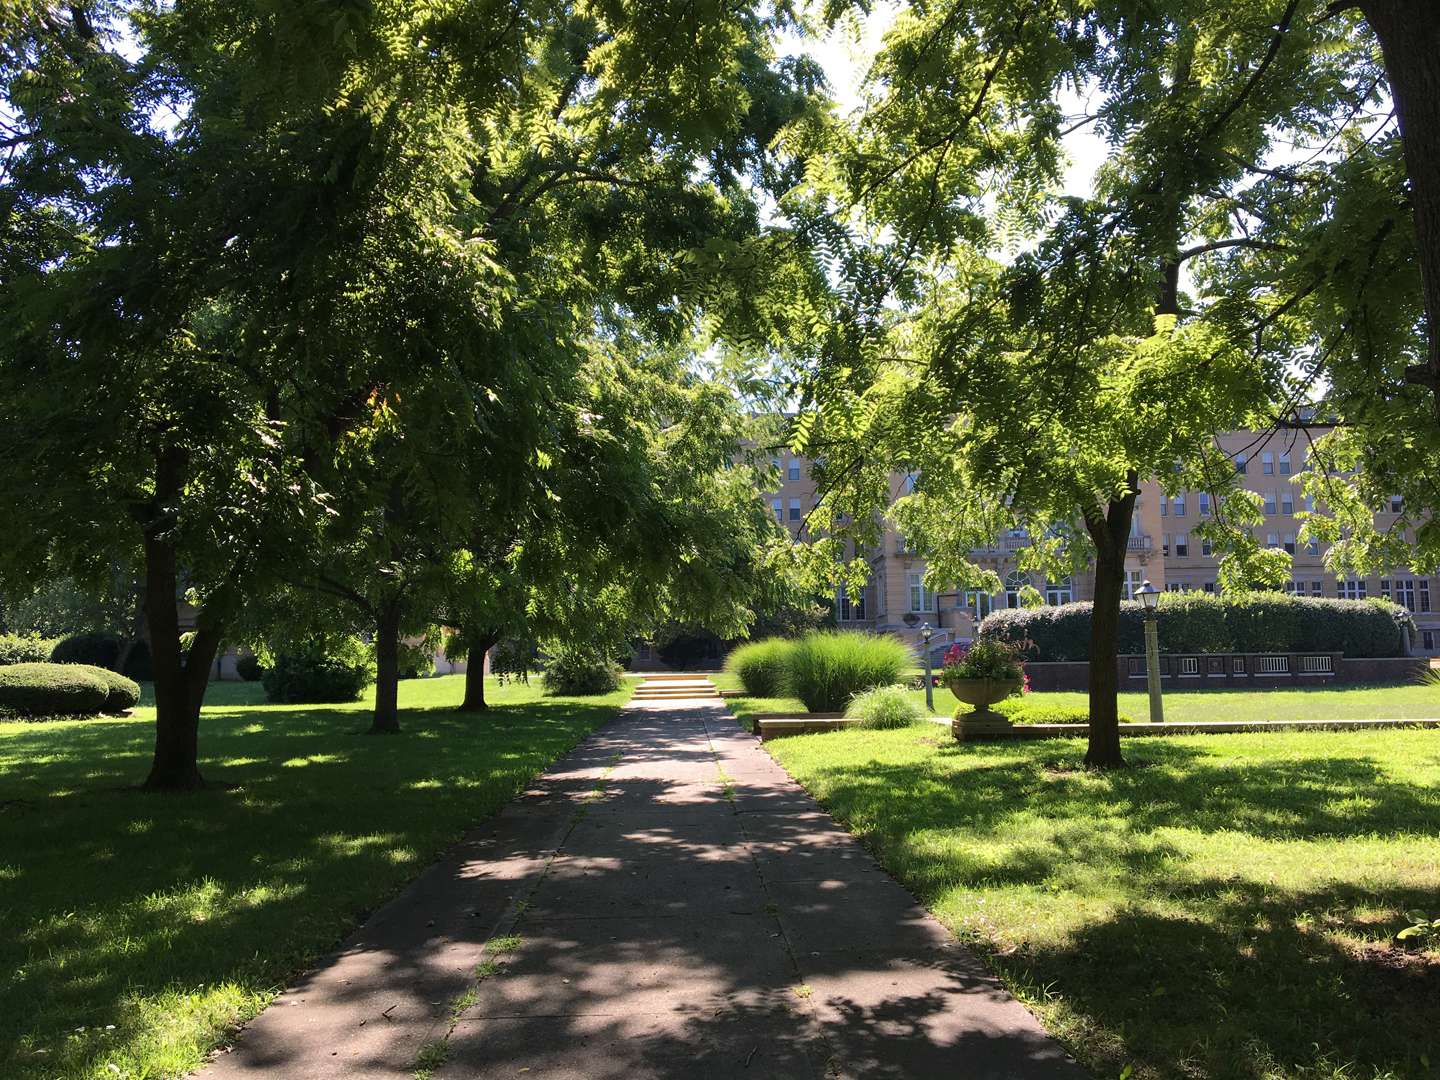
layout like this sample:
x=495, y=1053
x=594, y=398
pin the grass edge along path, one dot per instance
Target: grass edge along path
x=1223, y=909
x=142, y=929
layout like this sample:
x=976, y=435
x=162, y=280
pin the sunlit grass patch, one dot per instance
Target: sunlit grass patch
x=139, y=929
x=1223, y=909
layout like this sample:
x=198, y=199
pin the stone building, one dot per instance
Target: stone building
x=1163, y=549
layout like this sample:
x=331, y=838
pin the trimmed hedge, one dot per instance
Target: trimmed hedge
x=24, y=649
x=51, y=690
x=1021, y=711
x=122, y=694
x=827, y=668
x=760, y=666
x=1206, y=623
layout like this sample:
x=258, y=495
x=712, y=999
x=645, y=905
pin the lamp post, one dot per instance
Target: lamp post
x=926, y=633
x=1149, y=598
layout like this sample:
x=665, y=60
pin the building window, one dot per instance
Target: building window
x=1309, y=504
x=1403, y=592
x=1291, y=587
x=1209, y=587
x=1060, y=592
x=1290, y=543
x=1287, y=502
x=1270, y=505
x=1180, y=505
x=1182, y=544
x=1285, y=463
x=921, y=598
x=1165, y=545
x=794, y=509
x=1204, y=504
x=1132, y=582
x=850, y=609
x=1164, y=508
x=1175, y=586
x=1397, y=504
x=794, y=472
x=1013, y=584
x=1427, y=640
x=1272, y=540
x=1424, y=586
x=1313, y=547
x=1317, y=588
x=779, y=509
x=1350, y=589
x=1205, y=548
x=1239, y=463
x=1267, y=463
x=980, y=603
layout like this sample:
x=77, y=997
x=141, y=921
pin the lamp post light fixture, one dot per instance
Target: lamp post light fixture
x=1149, y=598
x=926, y=633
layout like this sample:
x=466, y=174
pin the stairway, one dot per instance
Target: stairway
x=674, y=685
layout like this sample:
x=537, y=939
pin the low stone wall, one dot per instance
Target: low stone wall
x=1211, y=671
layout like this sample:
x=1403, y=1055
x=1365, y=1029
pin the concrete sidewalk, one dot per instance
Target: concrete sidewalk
x=665, y=902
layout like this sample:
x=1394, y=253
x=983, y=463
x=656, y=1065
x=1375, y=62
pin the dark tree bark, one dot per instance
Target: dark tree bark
x=480, y=644
x=387, y=671
x=1111, y=532
x=180, y=679
x=1409, y=34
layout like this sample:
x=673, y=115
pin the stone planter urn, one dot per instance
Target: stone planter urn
x=980, y=694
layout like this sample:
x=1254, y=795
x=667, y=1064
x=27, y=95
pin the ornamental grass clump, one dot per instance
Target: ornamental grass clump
x=761, y=666
x=828, y=668
x=884, y=707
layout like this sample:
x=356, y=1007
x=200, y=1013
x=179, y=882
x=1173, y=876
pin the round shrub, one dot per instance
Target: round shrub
x=580, y=672
x=828, y=668
x=100, y=648
x=884, y=707
x=321, y=677
x=760, y=666
x=248, y=667
x=96, y=648
x=51, y=690
x=24, y=649
x=121, y=694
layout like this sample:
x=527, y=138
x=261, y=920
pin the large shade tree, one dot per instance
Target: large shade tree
x=1043, y=388
x=233, y=230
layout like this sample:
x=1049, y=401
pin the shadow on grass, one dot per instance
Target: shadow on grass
x=112, y=897
x=1185, y=967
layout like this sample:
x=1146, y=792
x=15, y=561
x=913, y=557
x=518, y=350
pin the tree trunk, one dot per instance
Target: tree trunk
x=1110, y=533
x=1409, y=34
x=387, y=671
x=475, y=673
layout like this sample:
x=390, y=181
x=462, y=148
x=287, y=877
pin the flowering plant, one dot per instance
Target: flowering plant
x=986, y=659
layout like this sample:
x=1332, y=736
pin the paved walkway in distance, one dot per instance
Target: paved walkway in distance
x=664, y=902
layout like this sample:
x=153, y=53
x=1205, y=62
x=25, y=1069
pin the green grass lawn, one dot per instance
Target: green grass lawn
x=137, y=928
x=1221, y=910
x=1405, y=702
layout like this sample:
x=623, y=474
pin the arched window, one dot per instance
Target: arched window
x=1013, y=584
